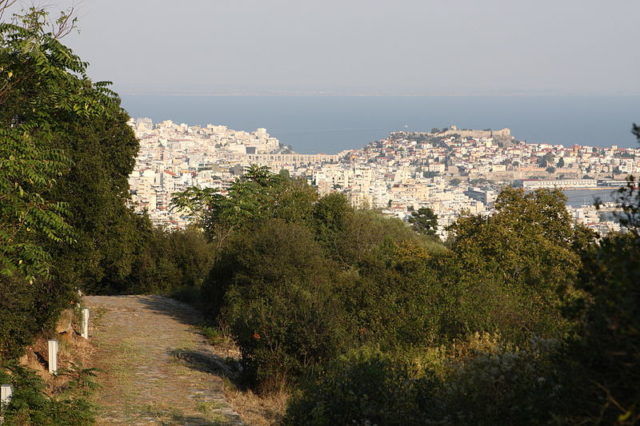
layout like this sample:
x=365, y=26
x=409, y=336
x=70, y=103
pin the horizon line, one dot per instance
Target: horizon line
x=381, y=95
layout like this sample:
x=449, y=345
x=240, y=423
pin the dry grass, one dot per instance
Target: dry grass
x=73, y=352
x=253, y=409
x=256, y=409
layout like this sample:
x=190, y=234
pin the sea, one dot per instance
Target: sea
x=584, y=197
x=330, y=124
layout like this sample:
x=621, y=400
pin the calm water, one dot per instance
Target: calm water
x=580, y=197
x=329, y=124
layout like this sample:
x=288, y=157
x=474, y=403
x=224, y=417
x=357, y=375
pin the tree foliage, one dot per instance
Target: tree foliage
x=281, y=304
x=424, y=221
x=561, y=309
x=516, y=265
x=605, y=353
x=302, y=274
x=39, y=79
x=65, y=157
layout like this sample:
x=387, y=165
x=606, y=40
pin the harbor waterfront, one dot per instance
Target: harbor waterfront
x=587, y=197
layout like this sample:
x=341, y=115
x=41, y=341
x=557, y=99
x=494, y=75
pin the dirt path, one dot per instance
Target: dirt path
x=155, y=368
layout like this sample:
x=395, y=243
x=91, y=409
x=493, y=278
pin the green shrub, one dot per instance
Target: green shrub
x=279, y=302
x=477, y=381
x=603, y=359
x=511, y=388
x=365, y=387
x=26, y=310
x=395, y=297
x=30, y=404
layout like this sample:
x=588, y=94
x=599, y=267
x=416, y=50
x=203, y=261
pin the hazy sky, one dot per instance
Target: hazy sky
x=413, y=47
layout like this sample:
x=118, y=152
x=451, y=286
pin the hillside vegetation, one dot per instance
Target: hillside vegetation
x=521, y=317
x=66, y=152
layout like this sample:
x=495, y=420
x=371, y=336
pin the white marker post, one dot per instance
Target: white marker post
x=53, y=356
x=6, y=392
x=84, y=332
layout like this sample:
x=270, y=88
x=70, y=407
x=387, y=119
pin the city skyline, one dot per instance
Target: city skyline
x=449, y=170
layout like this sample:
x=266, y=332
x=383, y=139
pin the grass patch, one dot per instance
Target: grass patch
x=160, y=411
x=96, y=316
x=214, y=336
x=210, y=411
x=124, y=357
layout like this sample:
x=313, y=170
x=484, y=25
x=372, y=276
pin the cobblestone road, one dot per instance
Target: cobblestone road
x=155, y=368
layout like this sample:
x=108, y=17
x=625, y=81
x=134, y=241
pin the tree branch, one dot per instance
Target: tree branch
x=4, y=5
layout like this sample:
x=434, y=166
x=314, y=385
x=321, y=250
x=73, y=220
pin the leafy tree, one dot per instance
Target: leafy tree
x=546, y=160
x=35, y=73
x=604, y=356
x=253, y=198
x=330, y=216
x=75, y=137
x=65, y=157
x=96, y=188
x=424, y=221
x=280, y=302
x=44, y=92
x=196, y=202
x=522, y=259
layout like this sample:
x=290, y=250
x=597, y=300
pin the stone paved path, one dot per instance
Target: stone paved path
x=155, y=368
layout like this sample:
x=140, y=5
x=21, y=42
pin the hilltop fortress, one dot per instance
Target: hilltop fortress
x=502, y=135
x=477, y=134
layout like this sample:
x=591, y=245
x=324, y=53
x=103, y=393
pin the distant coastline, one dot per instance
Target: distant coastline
x=330, y=124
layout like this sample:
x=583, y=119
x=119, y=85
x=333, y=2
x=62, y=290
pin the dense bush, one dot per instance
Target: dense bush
x=166, y=262
x=281, y=304
x=27, y=310
x=476, y=381
x=365, y=387
x=299, y=281
x=31, y=405
x=604, y=355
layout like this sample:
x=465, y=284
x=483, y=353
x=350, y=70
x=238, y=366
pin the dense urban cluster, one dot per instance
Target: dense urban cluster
x=448, y=170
